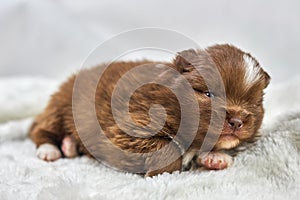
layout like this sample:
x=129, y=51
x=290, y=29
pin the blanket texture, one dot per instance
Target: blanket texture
x=268, y=170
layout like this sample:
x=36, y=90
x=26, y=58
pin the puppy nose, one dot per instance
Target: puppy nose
x=235, y=123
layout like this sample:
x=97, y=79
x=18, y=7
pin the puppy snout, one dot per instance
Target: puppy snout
x=235, y=123
x=236, y=117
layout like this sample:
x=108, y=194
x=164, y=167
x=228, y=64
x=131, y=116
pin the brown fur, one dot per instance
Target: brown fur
x=242, y=101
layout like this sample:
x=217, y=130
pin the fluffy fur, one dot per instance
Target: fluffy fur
x=243, y=79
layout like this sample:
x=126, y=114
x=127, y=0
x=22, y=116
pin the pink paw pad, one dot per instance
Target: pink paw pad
x=69, y=147
x=215, y=160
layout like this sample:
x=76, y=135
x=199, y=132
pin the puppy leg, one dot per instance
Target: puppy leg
x=175, y=166
x=214, y=160
x=46, y=134
x=69, y=147
x=162, y=161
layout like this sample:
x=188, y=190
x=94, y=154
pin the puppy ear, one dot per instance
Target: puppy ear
x=267, y=79
x=183, y=60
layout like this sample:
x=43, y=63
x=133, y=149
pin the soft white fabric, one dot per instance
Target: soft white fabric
x=24, y=96
x=269, y=170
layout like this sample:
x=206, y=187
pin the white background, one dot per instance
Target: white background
x=51, y=38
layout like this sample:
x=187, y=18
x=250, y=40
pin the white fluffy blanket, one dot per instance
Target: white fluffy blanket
x=269, y=170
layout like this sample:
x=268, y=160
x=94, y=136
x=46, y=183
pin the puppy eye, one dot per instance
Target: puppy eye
x=209, y=94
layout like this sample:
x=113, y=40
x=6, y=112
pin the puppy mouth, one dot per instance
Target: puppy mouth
x=228, y=137
x=227, y=141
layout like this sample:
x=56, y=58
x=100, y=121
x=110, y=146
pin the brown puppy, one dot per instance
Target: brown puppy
x=142, y=144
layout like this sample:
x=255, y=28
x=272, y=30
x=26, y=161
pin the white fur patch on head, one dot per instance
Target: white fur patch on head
x=252, y=70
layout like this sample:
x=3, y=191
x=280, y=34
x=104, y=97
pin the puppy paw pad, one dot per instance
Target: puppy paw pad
x=69, y=147
x=216, y=160
x=48, y=152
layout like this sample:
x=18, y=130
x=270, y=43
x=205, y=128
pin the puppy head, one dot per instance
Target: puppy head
x=235, y=81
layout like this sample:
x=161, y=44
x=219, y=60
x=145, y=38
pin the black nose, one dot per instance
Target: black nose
x=235, y=123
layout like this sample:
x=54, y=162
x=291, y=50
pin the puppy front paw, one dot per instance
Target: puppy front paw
x=48, y=152
x=215, y=160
